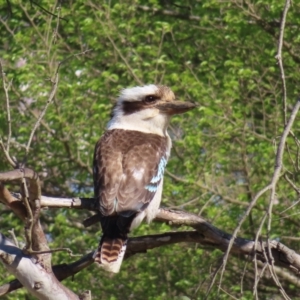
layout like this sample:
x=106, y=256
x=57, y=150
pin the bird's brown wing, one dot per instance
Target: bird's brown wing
x=128, y=167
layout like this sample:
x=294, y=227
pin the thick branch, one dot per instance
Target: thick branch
x=61, y=272
x=33, y=270
x=80, y=203
x=14, y=203
x=32, y=275
x=209, y=234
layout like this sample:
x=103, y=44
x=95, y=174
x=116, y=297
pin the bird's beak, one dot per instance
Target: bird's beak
x=175, y=107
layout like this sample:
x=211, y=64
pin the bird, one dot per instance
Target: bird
x=128, y=166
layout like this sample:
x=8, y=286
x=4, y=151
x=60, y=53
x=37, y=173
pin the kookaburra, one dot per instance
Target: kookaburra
x=129, y=163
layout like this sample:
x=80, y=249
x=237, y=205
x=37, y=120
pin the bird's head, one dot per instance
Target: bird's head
x=147, y=108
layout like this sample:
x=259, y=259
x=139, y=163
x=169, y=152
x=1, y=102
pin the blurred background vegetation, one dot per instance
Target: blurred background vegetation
x=220, y=54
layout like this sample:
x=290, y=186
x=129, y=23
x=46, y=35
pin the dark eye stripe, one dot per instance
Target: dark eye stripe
x=130, y=107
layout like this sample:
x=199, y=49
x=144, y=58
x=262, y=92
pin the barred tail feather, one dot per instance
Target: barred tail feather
x=110, y=253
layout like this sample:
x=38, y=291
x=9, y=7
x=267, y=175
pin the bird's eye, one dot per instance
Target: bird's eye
x=150, y=99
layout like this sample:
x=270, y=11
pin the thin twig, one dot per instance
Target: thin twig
x=237, y=229
x=50, y=30
x=29, y=219
x=124, y=60
x=292, y=184
x=278, y=162
x=213, y=279
x=48, y=12
x=6, y=149
x=70, y=252
x=7, y=155
x=243, y=276
x=231, y=296
x=5, y=88
x=159, y=54
x=257, y=279
x=281, y=146
x=206, y=187
x=12, y=233
x=257, y=237
x=279, y=56
x=273, y=272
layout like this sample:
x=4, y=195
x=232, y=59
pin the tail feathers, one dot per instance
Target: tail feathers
x=110, y=253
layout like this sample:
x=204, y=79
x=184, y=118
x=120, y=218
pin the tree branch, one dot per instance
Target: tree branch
x=210, y=235
x=6, y=150
x=206, y=235
x=32, y=267
x=40, y=284
x=279, y=57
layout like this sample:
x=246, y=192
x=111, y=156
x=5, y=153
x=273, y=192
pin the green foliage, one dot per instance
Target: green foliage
x=223, y=153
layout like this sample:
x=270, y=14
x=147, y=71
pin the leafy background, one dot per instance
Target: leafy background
x=218, y=54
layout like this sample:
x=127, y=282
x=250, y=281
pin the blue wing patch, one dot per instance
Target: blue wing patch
x=151, y=188
x=157, y=178
x=160, y=172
